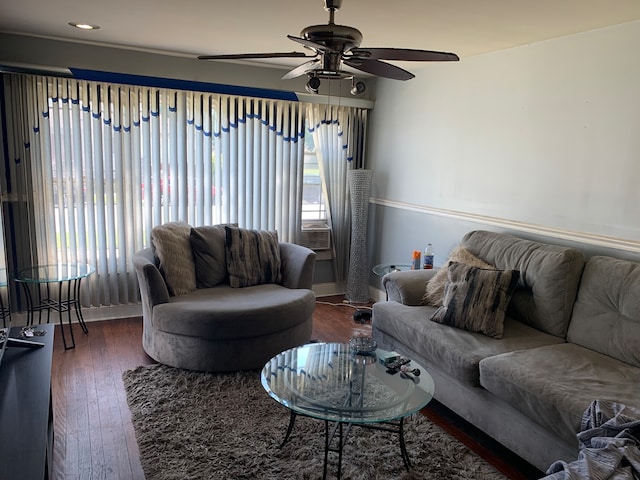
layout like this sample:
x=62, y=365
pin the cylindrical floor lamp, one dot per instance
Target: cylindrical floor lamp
x=358, y=278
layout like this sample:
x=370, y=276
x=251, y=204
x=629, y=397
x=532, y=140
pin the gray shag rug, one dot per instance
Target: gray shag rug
x=192, y=425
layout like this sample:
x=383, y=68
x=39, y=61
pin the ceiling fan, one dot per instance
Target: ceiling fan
x=336, y=46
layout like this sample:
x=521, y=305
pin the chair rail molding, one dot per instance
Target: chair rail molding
x=571, y=235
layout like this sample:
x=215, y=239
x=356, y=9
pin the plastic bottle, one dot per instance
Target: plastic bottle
x=428, y=257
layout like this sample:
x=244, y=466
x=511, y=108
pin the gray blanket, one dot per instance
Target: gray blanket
x=609, y=441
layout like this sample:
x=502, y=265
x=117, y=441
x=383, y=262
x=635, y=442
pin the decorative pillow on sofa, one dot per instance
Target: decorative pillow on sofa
x=170, y=243
x=434, y=291
x=253, y=257
x=208, y=246
x=476, y=299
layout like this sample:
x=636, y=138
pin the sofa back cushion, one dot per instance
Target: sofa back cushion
x=606, y=316
x=549, y=277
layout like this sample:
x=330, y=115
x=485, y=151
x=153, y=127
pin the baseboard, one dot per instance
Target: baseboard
x=326, y=289
x=90, y=314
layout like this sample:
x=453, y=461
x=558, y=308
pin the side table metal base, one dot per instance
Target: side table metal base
x=72, y=302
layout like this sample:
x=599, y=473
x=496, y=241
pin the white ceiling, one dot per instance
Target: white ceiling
x=195, y=27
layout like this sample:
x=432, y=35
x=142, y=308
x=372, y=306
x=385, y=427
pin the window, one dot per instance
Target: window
x=313, y=204
x=101, y=164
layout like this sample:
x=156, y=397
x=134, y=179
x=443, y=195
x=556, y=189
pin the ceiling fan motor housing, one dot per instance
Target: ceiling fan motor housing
x=338, y=38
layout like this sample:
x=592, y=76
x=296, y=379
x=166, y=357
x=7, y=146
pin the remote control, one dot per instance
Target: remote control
x=394, y=367
x=398, y=363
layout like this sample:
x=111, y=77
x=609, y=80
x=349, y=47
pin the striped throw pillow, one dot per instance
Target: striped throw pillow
x=252, y=256
x=476, y=299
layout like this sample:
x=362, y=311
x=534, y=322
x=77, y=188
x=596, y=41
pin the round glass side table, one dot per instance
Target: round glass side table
x=382, y=269
x=37, y=281
x=4, y=310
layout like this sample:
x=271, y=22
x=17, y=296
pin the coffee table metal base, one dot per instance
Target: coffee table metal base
x=342, y=430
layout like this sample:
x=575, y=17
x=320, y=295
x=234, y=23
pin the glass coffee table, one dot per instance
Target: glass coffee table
x=330, y=382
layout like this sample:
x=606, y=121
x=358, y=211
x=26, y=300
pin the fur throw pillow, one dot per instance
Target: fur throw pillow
x=172, y=247
x=434, y=292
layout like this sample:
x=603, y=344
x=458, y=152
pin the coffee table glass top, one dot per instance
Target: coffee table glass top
x=328, y=382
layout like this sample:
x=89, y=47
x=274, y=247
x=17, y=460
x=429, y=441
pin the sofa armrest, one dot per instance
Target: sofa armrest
x=298, y=265
x=153, y=288
x=408, y=286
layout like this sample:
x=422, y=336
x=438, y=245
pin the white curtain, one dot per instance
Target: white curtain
x=339, y=134
x=262, y=151
x=100, y=164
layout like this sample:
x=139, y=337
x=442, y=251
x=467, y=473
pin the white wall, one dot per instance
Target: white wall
x=545, y=135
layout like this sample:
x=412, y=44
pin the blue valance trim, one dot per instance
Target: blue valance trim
x=147, y=81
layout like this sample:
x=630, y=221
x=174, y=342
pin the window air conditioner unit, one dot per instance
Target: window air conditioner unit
x=316, y=236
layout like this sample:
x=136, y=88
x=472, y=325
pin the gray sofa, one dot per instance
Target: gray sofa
x=221, y=328
x=571, y=336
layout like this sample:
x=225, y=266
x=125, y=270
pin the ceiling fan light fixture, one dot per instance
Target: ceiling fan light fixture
x=313, y=85
x=357, y=88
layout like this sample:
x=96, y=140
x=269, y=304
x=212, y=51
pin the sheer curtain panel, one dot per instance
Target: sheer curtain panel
x=339, y=135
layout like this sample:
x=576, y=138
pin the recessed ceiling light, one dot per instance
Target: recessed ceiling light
x=84, y=26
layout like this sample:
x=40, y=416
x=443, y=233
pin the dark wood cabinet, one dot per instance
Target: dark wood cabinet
x=26, y=413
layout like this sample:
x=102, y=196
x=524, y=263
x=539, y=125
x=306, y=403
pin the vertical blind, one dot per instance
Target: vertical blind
x=101, y=164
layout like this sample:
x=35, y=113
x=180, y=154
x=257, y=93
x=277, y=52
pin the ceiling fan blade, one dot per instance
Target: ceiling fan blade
x=407, y=54
x=378, y=68
x=312, y=45
x=301, y=69
x=241, y=56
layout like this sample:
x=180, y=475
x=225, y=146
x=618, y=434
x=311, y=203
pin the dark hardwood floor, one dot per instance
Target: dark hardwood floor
x=94, y=437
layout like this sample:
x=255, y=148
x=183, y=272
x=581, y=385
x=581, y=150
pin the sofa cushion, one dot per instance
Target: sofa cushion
x=453, y=351
x=554, y=385
x=252, y=256
x=172, y=247
x=549, y=277
x=606, y=316
x=476, y=299
x=226, y=313
x=208, y=246
x=434, y=292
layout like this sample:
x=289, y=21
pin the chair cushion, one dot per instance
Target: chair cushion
x=452, y=350
x=227, y=313
x=476, y=299
x=171, y=245
x=554, y=385
x=252, y=257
